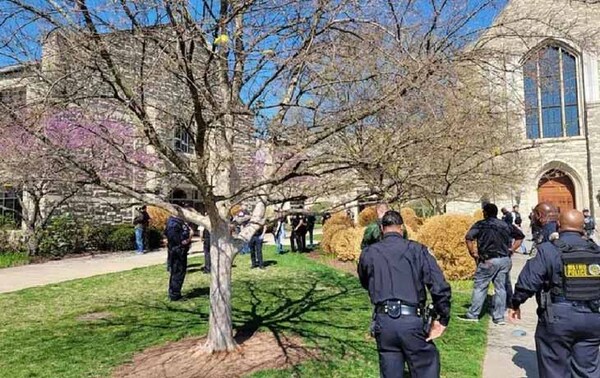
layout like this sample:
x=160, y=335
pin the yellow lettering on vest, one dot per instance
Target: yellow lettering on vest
x=576, y=270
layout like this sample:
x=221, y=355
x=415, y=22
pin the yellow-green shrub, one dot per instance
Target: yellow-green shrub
x=445, y=236
x=235, y=209
x=346, y=243
x=338, y=218
x=158, y=217
x=328, y=235
x=411, y=219
x=367, y=216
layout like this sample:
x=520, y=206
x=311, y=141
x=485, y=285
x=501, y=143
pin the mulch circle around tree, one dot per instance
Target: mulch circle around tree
x=186, y=359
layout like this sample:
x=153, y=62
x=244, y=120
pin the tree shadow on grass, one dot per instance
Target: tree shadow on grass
x=314, y=310
x=329, y=311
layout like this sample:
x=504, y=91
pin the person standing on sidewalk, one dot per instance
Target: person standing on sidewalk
x=565, y=277
x=492, y=256
x=141, y=222
x=589, y=223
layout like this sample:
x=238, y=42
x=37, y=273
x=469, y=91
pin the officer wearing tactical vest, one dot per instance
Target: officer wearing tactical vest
x=565, y=275
x=396, y=272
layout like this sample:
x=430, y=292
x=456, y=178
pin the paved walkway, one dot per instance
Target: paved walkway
x=22, y=277
x=511, y=348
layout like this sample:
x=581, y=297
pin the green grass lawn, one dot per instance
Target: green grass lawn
x=41, y=336
x=13, y=259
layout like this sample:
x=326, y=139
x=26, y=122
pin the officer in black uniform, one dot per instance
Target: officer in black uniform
x=565, y=276
x=396, y=272
x=179, y=237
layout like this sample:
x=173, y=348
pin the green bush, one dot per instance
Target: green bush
x=62, y=236
x=97, y=238
x=122, y=238
x=154, y=237
x=8, y=222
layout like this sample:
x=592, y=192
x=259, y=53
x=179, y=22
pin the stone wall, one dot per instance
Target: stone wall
x=72, y=68
x=523, y=26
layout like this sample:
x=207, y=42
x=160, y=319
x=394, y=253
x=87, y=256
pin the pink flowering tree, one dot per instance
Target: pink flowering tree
x=50, y=164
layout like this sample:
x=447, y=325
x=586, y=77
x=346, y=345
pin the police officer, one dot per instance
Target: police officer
x=206, y=250
x=565, y=276
x=544, y=217
x=396, y=272
x=179, y=237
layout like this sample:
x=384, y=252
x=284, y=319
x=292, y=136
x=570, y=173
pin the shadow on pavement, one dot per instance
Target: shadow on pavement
x=526, y=359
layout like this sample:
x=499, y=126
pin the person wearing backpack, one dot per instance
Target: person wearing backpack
x=179, y=238
x=565, y=276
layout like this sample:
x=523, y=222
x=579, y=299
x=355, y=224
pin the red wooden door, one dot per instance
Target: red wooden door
x=557, y=189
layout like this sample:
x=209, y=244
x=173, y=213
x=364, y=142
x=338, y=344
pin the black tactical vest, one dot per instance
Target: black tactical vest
x=581, y=271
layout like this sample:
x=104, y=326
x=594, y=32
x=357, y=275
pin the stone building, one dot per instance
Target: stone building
x=74, y=74
x=548, y=56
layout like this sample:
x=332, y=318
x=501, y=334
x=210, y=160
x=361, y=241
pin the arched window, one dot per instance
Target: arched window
x=551, y=95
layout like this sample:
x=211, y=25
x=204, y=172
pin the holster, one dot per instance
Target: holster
x=546, y=305
x=428, y=318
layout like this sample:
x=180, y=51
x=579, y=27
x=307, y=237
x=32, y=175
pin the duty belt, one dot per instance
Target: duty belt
x=396, y=308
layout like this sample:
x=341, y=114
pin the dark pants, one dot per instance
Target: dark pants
x=206, y=248
x=256, y=245
x=178, y=266
x=294, y=241
x=402, y=341
x=301, y=240
x=567, y=345
x=311, y=231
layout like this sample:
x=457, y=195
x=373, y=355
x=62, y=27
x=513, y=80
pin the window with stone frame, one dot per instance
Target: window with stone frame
x=183, y=140
x=10, y=204
x=12, y=99
x=551, y=94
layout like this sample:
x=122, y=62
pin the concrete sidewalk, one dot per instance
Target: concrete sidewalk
x=22, y=277
x=511, y=348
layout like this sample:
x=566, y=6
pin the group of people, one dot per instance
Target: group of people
x=564, y=276
x=179, y=237
x=301, y=224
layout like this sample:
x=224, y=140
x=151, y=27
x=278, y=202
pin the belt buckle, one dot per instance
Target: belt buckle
x=393, y=309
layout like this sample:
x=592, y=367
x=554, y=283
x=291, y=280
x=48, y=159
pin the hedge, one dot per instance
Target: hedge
x=445, y=236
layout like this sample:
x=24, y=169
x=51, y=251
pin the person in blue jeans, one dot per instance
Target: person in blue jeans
x=141, y=222
x=279, y=233
x=492, y=255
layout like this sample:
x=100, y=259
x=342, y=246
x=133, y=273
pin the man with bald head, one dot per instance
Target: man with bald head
x=544, y=217
x=565, y=277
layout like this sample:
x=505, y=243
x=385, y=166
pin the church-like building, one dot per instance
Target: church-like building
x=549, y=58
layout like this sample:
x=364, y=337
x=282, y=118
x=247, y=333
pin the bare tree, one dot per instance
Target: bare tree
x=340, y=95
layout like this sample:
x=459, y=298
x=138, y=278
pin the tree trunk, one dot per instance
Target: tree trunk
x=31, y=240
x=220, y=328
